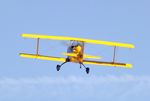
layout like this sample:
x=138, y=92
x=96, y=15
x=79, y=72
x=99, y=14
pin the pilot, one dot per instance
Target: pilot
x=77, y=49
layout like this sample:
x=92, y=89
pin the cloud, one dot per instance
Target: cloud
x=106, y=88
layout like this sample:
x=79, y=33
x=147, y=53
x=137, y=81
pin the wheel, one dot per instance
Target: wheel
x=87, y=70
x=58, y=67
x=80, y=66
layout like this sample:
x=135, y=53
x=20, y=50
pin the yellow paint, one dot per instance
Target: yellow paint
x=63, y=60
x=70, y=54
x=84, y=55
x=113, y=65
x=91, y=56
x=77, y=49
x=42, y=57
x=117, y=44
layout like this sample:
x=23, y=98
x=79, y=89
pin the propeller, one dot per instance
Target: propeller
x=65, y=43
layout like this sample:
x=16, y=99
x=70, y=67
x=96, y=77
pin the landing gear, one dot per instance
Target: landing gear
x=80, y=66
x=58, y=67
x=87, y=69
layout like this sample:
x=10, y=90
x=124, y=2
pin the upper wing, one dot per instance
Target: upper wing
x=125, y=65
x=117, y=44
x=42, y=57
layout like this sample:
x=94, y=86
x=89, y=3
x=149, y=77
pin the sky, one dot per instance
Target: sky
x=110, y=20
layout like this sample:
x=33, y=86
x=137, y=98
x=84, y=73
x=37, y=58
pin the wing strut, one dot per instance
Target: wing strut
x=114, y=56
x=37, y=46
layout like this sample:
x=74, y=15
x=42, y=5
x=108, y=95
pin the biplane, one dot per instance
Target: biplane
x=75, y=52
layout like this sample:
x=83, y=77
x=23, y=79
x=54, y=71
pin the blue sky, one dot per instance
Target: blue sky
x=110, y=20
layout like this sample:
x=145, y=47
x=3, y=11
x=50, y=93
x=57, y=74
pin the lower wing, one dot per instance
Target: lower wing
x=124, y=65
x=60, y=59
x=42, y=57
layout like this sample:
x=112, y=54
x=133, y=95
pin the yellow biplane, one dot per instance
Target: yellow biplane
x=75, y=51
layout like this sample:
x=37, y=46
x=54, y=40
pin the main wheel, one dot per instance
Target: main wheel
x=58, y=67
x=87, y=70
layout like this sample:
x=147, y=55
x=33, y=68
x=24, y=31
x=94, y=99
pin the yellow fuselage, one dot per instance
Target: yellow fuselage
x=78, y=50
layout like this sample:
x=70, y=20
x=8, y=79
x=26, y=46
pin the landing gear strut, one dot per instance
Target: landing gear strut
x=59, y=66
x=87, y=69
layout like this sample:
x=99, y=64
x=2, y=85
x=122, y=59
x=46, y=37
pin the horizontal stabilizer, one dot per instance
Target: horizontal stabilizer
x=84, y=55
x=70, y=54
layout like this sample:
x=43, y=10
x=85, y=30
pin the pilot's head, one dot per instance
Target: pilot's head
x=76, y=49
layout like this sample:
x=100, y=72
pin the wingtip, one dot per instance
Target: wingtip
x=133, y=46
x=23, y=34
x=130, y=66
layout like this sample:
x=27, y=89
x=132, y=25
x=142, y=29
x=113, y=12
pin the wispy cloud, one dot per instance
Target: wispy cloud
x=125, y=87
